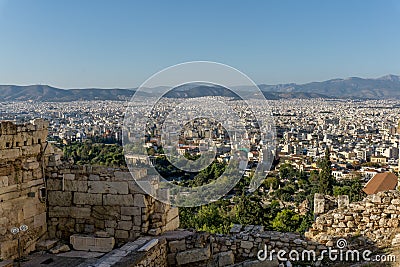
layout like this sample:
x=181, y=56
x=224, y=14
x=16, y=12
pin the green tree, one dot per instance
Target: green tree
x=286, y=221
x=352, y=188
x=326, y=179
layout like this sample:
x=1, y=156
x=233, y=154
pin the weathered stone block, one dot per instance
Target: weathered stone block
x=172, y=213
x=124, y=225
x=172, y=225
x=88, y=199
x=177, y=245
x=246, y=244
x=46, y=245
x=91, y=243
x=225, y=258
x=117, y=200
x=76, y=186
x=130, y=211
x=54, y=184
x=106, y=187
x=194, y=255
x=59, y=198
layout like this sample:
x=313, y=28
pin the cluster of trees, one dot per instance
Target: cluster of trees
x=95, y=154
x=281, y=193
x=219, y=217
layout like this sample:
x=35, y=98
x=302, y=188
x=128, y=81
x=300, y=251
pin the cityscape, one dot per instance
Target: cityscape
x=199, y=133
x=359, y=139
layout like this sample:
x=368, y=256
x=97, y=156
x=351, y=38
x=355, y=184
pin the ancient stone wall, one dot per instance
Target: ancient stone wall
x=376, y=218
x=243, y=244
x=87, y=199
x=23, y=156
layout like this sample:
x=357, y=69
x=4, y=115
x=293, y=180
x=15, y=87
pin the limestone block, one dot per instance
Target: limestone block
x=107, y=187
x=194, y=255
x=46, y=245
x=91, y=243
x=124, y=225
x=59, y=198
x=246, y=244
x=54, y=184
x=88, y=199
x=177, y=245
x=172, y=225
x=117, y=200
x=225, y=258
x=130, y=211
x=319, y=203
x=76, y=186
x=172, y=213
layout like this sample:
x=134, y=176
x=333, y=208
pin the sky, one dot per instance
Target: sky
x=119, y=44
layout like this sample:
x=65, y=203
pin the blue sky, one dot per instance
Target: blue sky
x=95, y=43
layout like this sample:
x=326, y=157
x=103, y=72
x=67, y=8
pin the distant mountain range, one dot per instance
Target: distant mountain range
x=52, y=94
x=386, y=87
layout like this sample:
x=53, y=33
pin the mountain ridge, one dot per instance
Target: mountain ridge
x=385, y=87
